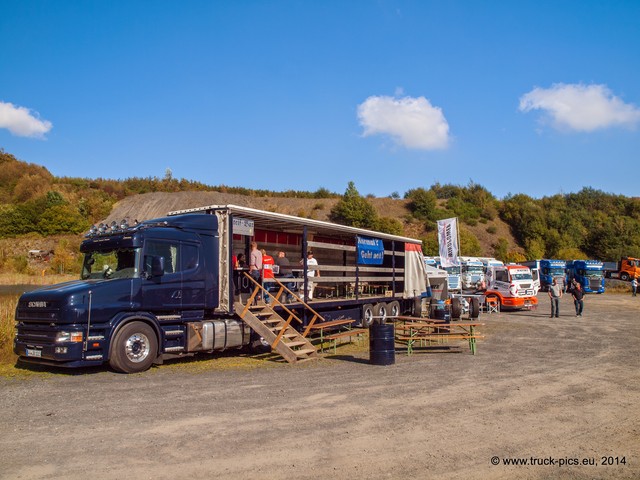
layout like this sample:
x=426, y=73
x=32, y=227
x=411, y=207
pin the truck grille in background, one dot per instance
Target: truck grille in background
x=594, y=284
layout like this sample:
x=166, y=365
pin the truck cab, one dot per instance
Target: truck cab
x=512, y=286
x=588, y=273
x=626, y=269
x=472, y=273
x=138, y=285
x=550, y=270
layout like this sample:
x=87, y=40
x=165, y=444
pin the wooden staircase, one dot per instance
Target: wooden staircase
x=275, y=329
x=282, y=337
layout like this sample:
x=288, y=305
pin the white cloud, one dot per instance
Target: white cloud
x=22, y=122
x=411, y=122
x=582, y=108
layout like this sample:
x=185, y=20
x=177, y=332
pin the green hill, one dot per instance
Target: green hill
x=38, y=211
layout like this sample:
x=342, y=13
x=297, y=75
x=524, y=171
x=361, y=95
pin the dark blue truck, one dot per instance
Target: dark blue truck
x=167, y=287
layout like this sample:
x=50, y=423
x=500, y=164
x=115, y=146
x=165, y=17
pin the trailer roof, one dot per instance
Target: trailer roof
x=289, y=223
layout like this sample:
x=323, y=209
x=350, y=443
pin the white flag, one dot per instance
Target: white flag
x=448, y=241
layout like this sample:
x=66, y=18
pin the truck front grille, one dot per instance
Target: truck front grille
x=36, y=334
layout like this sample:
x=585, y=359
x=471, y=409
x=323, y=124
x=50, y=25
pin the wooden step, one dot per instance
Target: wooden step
x=272, y=320
x=304, y=351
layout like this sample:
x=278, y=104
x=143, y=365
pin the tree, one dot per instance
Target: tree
x=422, y=203
x=500, y=249
x=514, y=256
x=389, y=225
x=354, y=210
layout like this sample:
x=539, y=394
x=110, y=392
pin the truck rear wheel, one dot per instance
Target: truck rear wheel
x=474, y=308
x=380, y=312
x=393, y=309
x=134, y=348
x=456, y=308
x=367, y=315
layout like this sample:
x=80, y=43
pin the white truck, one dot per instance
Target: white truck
x=472, y=273
x=512, y=286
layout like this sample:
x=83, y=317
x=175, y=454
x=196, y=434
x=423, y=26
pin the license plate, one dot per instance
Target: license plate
x=34, y=353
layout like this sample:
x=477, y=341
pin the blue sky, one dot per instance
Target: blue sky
x=537, y=97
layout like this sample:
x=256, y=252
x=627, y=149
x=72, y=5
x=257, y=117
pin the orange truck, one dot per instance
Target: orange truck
x=625, y=269
x=512, y=285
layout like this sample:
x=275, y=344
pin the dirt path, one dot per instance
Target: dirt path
x=565, y=390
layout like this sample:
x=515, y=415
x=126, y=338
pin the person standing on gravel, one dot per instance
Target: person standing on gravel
x=578, y=299
x=555, y=294
x=634, y=286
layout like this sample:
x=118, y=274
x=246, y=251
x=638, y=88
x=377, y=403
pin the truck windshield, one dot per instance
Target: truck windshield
x=474, y=269
x=120, y=263
x=556, y=272
x=453, y=270
x=593, y=274
x=521, y=276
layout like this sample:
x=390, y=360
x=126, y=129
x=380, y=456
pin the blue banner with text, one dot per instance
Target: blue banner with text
x=370, y=251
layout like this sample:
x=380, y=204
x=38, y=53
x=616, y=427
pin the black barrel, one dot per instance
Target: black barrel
x=382, y=349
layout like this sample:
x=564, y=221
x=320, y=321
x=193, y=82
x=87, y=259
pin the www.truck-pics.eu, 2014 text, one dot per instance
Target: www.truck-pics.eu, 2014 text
x=168, y=287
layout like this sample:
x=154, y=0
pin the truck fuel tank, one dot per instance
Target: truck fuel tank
x=216, y=335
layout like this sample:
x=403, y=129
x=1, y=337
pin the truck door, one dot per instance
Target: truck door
x=535, y=275
x=162, y=293
x=193, y=277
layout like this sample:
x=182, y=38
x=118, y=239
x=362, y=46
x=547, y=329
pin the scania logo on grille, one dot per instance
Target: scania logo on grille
x=37, y=304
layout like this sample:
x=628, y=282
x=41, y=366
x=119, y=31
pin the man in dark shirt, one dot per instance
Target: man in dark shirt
x=578, y=301
x=284, y=271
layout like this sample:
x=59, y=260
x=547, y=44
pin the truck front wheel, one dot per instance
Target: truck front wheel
x=134, y=348
x=624, y=276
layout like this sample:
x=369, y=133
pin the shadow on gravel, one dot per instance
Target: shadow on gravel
x=347, y=358
x=70, y=372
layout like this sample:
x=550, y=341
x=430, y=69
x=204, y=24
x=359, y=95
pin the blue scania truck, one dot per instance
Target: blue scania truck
x=588, y=273
x=167, y=287
x=549, y=270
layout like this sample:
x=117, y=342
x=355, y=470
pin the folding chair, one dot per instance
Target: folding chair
x=492, y=305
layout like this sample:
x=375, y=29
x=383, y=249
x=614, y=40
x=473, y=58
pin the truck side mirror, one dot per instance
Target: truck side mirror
x=157, y=266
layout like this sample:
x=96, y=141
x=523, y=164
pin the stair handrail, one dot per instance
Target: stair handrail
x=312, y=322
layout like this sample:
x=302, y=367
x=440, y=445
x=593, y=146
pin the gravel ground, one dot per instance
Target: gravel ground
x=547, y=391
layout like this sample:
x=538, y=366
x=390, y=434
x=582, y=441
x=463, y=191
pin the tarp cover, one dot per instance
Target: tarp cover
x=415, y=271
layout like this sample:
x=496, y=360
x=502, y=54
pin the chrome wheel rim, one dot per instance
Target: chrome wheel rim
x=137, y=347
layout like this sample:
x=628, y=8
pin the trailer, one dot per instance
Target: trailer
x=167, y=287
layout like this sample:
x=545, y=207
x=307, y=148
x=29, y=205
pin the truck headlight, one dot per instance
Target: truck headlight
x=72, y=337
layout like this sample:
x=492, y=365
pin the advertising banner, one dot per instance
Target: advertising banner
x=448, y=242
x=370, y=251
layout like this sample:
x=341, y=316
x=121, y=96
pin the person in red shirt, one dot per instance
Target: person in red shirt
x=267, y=274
